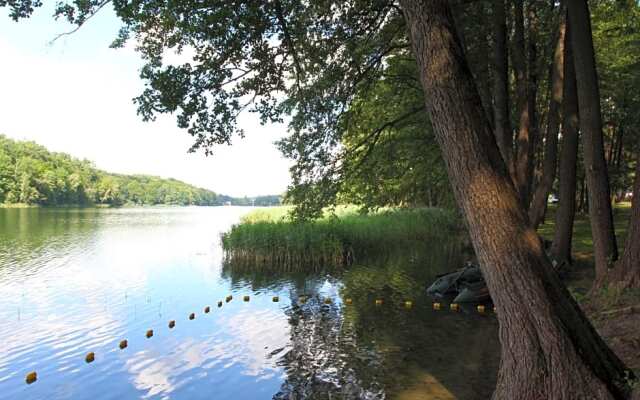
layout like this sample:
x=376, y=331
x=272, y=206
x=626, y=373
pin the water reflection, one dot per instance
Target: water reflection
x=74, y=281
x=367, y=351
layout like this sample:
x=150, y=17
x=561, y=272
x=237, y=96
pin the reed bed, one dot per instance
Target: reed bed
x=268, y=239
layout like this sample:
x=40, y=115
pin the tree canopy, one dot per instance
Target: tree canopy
x=343, y=77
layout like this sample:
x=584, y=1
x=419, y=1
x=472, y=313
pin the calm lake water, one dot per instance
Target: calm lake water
x=79, y=281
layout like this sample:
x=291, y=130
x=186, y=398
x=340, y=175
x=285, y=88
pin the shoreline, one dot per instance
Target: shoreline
x=22, y=205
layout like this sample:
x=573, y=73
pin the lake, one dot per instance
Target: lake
x=74, y=281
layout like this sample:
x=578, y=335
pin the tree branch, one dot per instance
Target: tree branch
x=71, y=32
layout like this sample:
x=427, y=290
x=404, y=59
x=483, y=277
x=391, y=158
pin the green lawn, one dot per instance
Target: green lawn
x=582, y=273
x=582, y=242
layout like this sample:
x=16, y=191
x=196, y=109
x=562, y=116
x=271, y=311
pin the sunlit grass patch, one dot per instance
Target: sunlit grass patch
x=582, y=272
x=582, y=244
x=282, y=213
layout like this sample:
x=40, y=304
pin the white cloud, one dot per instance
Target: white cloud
x=77, y=99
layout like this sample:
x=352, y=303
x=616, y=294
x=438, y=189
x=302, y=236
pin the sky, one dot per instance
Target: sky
x=74, y=96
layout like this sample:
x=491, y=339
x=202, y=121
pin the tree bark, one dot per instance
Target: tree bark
x=627, y=272
x=502, y=117
x=484, y=73
x=600, y=213
x=582, y=200
x=523, y=141
x=532, y=95
x=549, y=167
x=549, y=348
x=561, y=247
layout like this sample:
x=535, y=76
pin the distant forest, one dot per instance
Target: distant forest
x=32, y=175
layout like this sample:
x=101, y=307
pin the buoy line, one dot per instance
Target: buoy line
x=90, y=357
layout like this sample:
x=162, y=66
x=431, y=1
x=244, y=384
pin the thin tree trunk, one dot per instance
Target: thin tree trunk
x=581, y=198
x=600, y=213
x=627, y=273
x=619, y=149
x=549, y=348
x=561, y=247
x=502, y=118
x=613, y=164
x=532, y=95
x=484, y=73
x=539, y=202
x=523, y=141
x=612, y=145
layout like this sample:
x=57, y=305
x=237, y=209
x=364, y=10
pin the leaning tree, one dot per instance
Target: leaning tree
x=306, y=61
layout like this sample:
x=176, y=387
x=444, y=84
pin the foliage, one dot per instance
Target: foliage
x=284, y=244
x=258, y=201
x=30, y=174
x=616, y=35
x=20, y=8
x=388, y=155
x=342, y=75
x=303, y=61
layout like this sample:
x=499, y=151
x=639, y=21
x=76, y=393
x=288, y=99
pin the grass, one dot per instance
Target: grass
x=583, y=273
x=582, y=242
x=281, y=213
x=267, y=238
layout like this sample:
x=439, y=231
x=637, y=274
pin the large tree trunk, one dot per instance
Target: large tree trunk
x=549, y=348
x=502, y=118
x=549, y=167
x=561, y=247
x=627, y=273
x=523, y=140
x=600, y=213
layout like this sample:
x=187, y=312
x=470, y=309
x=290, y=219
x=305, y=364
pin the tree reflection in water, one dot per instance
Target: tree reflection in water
x=368, y=351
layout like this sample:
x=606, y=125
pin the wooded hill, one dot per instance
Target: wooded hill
x=32, y=175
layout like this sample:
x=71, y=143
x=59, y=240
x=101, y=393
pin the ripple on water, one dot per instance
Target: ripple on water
x=80, y=281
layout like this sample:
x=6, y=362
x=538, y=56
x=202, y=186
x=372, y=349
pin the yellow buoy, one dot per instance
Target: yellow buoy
x=229, y=298
x=302, y=299
x=480, y=308
x=172, y=323
x=408, y=304
x=454, y=307
x=245, y=298
x=207, y=309
x=149, y=333
x=378, y=302
x=276, y=299
x=31, y=377
x=348, y=301
x=436, y=306
x=219, y=304
x=192, y=316
x=90, y=357
x=327, y=301
x=123, y=344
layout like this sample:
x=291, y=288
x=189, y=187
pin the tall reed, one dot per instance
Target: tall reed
x=269, y=240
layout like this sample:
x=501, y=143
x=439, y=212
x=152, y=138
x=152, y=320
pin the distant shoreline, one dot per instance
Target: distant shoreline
x=22, y=205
